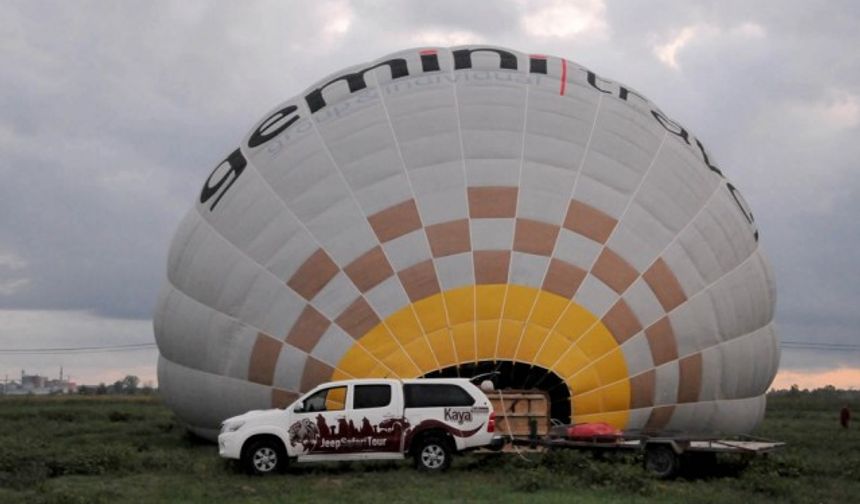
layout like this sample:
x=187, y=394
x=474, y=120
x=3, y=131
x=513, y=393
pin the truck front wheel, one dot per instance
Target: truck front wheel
x=433, y=454
x=263, y=456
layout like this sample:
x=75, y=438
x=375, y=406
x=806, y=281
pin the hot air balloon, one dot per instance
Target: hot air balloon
x=456, y=211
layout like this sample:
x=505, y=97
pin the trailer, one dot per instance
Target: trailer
x=523, y=419
x=663, y=455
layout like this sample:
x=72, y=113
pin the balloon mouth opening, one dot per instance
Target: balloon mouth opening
x=516, y=375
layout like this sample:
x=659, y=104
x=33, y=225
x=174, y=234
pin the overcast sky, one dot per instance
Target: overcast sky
x=113, y=113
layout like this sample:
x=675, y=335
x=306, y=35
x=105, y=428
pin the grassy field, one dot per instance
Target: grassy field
x=123, y=449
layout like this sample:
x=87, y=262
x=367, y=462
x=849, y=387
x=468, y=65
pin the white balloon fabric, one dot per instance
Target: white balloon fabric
x=446, y=211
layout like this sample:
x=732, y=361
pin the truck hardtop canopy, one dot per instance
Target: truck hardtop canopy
x=368, y=381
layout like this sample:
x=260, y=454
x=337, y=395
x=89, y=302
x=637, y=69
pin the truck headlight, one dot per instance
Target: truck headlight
x=231, y=426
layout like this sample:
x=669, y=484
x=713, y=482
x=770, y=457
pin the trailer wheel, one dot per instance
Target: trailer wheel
x=662, y=461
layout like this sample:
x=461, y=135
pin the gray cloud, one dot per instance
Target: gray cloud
x=113, y=114
x=495, y=19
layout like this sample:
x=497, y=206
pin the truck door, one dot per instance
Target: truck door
x=318, y=427
x=377, y=414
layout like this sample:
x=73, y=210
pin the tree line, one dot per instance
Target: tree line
x=130, y=385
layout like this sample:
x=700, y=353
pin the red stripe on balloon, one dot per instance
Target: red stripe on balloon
x=563, y=76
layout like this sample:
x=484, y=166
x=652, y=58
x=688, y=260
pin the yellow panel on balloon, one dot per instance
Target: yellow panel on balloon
x=509, y=337
x=574, y=322
x=547, y=309
x=488, y=301
x=597, y=342
x=461, y=305
x=400, y=364
x=464, y=341
x=404, y=326
x=586, y=404
x=532, y=339
x=570, y=362
x=519, y=302
x=381, y=371
x=488, y=334
x=583, y=381
x=553, y=348
x=358, y=362
x=379, y=342
x=611, y=367
x=431, y=313
x=338, y=375
x=422, y=355
x=443, y=347
x=616, y=397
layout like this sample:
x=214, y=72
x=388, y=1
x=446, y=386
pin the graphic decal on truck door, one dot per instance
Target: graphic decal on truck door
x=346, y=437
x=395, y=426
x=436, y=424
x=305, y=433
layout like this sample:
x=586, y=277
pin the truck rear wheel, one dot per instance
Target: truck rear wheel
x=662, y=461
x=433, y=454
x=263, y=456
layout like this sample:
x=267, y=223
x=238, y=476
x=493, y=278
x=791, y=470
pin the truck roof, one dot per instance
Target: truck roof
x=359, y=381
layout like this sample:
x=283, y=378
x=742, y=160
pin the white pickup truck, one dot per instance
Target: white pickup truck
x=368, y=419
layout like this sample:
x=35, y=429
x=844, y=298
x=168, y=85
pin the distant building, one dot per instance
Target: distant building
x=38, y=385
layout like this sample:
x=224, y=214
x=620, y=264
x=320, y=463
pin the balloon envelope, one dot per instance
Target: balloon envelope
x=444, y=212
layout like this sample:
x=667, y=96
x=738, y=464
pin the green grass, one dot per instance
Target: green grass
x=119, y=449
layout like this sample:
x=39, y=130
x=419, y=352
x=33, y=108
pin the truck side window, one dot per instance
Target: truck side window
x=371, y=396
x=435, y=396
x=330, y=399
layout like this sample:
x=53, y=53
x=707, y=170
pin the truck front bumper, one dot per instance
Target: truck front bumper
x=230, y=445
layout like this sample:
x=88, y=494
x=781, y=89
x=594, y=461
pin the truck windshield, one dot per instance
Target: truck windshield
x=330, y=399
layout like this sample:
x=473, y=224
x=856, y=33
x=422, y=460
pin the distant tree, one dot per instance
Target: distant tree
x=101, y=389
x=116, y=388
x=147, y=388
x=129, y=384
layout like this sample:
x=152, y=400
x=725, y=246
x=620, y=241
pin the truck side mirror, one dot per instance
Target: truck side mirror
x=300, y=406
x=487, y=386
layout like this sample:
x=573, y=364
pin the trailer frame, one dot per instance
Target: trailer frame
x=663, y=453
